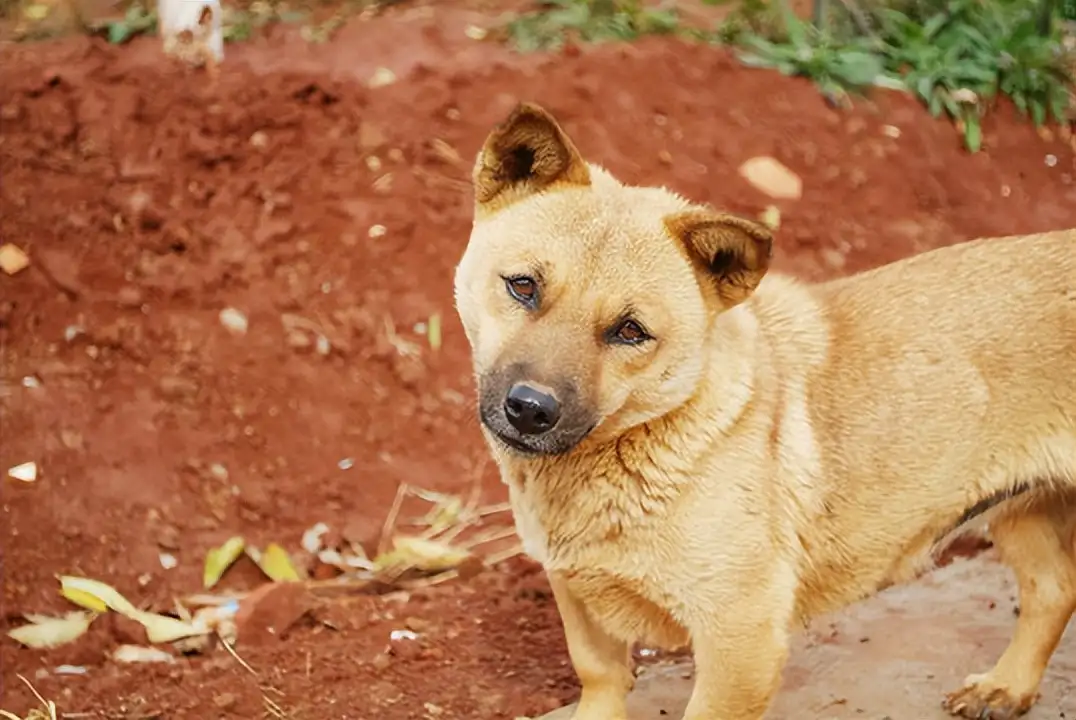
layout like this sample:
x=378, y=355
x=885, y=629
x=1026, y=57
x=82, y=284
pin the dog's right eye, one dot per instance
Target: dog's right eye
x=523, y=289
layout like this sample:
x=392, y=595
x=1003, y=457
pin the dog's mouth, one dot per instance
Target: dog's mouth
x=514, y=443
x=556, y=442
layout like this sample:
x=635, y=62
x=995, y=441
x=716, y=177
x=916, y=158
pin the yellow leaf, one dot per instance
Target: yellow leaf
x=428, y=555
x=84, y=599
x=95, y=595
x=48, y=632
x=771, y=217
x=275, y=563
x=37, y=11
x=218, y=560
x=433, y=331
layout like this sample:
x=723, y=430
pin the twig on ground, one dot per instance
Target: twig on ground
x=272, y=707
x=49, y=713
x=390, y=520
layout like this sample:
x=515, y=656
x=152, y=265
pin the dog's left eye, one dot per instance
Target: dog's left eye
x=630, y=332
x=524, y=289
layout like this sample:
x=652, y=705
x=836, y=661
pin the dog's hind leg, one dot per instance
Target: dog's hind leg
x=1038, y=544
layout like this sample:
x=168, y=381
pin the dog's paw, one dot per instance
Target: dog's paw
x=983, y=699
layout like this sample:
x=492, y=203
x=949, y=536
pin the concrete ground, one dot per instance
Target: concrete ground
x=892, y=657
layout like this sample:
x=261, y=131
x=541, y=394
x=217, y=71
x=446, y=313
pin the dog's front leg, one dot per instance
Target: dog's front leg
x=739, y=657
x=602, y=663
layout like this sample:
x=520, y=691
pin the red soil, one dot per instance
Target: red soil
x=150, y=199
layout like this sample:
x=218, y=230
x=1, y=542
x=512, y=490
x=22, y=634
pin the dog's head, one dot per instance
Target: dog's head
x=588, y=303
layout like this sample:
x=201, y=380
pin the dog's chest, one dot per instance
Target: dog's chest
x=529, y=526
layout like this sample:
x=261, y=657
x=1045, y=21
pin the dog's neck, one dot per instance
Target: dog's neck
x=619, y=479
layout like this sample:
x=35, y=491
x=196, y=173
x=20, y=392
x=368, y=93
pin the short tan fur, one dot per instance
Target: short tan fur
x=700, y=451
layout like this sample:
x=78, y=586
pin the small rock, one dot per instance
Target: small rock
x=833, y=258
x=298, y=340
x=129, y=297
x=371, y=137
x=855, y=125
x=771, y=217
x=267, y=614
x=174, y=387
x=71, y=439
x=769, y=176
x=381, y=661
x=167, y=537
x=382, y=77
x=13, y=259
x=226, y=701
x=857, y=178
x=26, y=472
x=418, y=625
x=234, y=321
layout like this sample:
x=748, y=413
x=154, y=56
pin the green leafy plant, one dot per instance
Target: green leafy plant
x=589, y=21
x=957, y=56
x=749, y=17
x=137, y=20
x=962, y=54
x=834, y=65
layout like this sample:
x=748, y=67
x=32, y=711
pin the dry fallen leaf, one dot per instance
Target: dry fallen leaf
x=218, y=560
x=422, y=554
x=98, y=596
x=95, y=595
x=275, y=563
x=164, y=629
x=48, y=632
x=49, y=713
x=445, y=513
x=141, y=654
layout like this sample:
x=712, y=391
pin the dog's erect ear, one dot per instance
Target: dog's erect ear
x=525, y=154
x=734, y=250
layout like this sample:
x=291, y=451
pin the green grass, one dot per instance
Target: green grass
x=956, y=56
x=588, y=21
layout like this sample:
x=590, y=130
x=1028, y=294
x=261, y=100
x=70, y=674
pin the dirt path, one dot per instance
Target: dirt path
x=149, y=200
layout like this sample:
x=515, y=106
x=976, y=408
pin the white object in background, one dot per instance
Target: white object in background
x=192, y=30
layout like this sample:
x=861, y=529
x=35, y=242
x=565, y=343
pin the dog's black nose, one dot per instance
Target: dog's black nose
x=531, y=411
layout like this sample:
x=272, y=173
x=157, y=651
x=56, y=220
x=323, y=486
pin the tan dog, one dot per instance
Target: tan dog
x=701, y=453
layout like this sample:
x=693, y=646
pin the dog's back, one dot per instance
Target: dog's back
x=979, y=336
